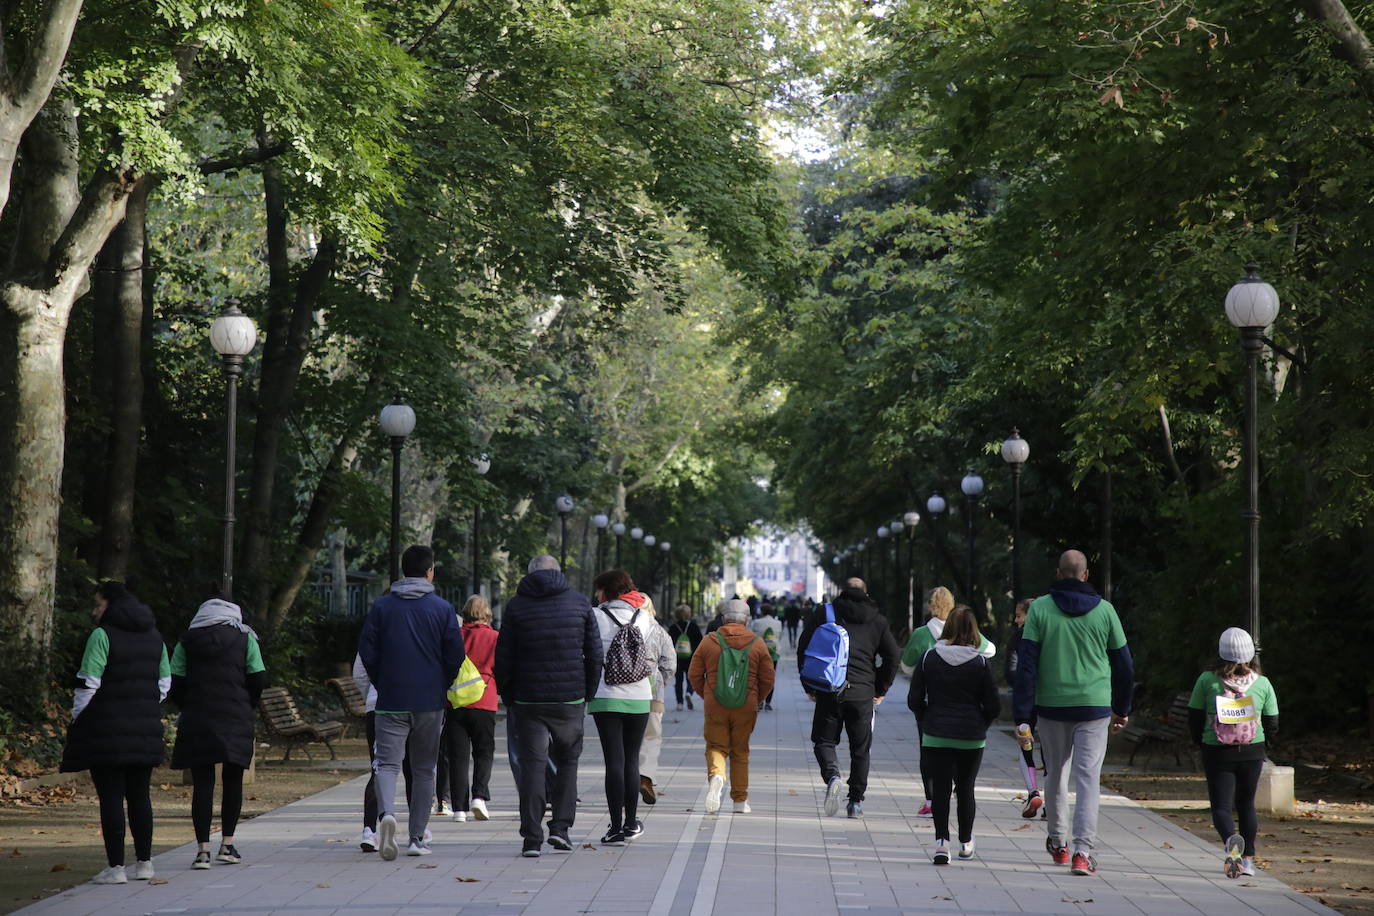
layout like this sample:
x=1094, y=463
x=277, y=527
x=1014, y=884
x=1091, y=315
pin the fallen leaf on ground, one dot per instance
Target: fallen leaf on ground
x=588, y=846
x=468, y=880
x=1166, y=845
x=426, y=866
x=1023, y=827
x=941, y=897
x=324, y=885
x=157, y=880
x=791, y=791
x=15, y=853
x=58, y=867
x=1077, y=899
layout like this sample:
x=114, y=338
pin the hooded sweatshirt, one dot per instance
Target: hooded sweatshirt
x=411, y=647
x=953, y=696
x=1074, y=664
x=610, y=617
x=706, y=662
x=923, y=638
x=873, y=652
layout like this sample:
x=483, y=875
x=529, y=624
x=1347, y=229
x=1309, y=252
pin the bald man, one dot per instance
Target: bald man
x=1074, y=673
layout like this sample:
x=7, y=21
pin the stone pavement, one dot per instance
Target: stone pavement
x=783, y=858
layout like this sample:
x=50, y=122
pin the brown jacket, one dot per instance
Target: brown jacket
x=702, y=672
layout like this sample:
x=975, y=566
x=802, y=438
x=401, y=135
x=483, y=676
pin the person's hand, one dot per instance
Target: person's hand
x=877, y=701
x=1119, y=722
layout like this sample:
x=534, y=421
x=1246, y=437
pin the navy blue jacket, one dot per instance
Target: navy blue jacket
x=549, y=648
x=412, y=647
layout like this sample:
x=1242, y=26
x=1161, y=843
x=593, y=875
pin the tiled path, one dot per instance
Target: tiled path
x=784, y=858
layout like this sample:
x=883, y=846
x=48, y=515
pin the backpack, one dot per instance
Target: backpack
x=1235, y=720
x=683, y=646
x=626, y=660
x=732, y=674
x=770, y=639
x=825, y=664
x=468, y=687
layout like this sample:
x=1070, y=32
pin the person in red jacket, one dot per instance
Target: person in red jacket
x=470, y=732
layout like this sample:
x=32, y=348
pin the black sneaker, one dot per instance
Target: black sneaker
x=560, y=842
x=229, y=854
x=613, y=838
x=689, y=703
x=202, y=861
x=634, y=831
x=530, y=852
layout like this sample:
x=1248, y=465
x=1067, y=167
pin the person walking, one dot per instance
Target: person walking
x=1232, y=711
x=548, y=663
x=873, y=659
x=791, y=617
x=727, y=728
x=623, y=698
x=367, y=842
x=217, y=679
x=939, y=605
x=686, y=636
x=1075, y=675
x=116, y=729
x=470, y=731
x=661, y=649
x=955, y=699
x=412, y=648
x=769, y=629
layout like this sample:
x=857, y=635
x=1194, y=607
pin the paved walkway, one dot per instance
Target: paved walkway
x=783, y=858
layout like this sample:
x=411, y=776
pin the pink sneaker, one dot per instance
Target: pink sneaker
x=925, y=810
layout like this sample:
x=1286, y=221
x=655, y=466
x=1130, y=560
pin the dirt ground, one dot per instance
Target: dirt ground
x=50, y=838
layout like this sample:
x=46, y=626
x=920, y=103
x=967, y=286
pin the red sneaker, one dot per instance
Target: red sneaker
x=1083, y=864
x=1059, y=854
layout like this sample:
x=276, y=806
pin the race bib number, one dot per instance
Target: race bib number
x=1235, y=710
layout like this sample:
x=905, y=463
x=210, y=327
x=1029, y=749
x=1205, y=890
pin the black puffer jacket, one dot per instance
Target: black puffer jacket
x=217, y=698
x=953, y=694
x=549, y=649
x=870, y=641
x=122, y=724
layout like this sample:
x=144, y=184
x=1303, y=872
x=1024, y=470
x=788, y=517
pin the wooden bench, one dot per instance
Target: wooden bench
x=354, y=704
x=1172, y=732
x=284, y=723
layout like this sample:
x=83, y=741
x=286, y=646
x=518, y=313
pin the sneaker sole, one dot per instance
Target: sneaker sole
x=1235, y=849
x=613, y=842
x=529, y=853
x=941, y=859
x=368, y=847
x=387, y=836
x=713, y=790
x=1032, y=807
x=1084, y=872
x=560, y=844
x=832, y=797
x=481, y=815
x=200, y=866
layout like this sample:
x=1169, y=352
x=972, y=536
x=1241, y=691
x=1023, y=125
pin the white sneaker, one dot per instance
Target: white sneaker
x=428, y=837
x=143, y=871
x=386, y=833
x=479, y=809
x=368, y=841
x=742, y=807
x=1247, y=867
x=713, y=790
x=460, y=816
x=418, y=848
x=966, y=850
x=832, y=796
x=112, y=875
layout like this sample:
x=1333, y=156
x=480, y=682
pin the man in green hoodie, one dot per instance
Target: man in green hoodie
x=1074, y=673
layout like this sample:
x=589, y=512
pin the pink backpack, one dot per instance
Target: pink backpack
x=1234, y=732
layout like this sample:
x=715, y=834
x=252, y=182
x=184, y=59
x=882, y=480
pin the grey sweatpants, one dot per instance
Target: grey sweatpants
x=393, y=730
x=1080, y=747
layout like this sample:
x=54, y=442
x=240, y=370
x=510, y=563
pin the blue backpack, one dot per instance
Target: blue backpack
x=825, y=664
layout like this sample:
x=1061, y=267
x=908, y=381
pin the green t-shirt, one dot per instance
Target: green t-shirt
x=97, y=653
x=1208, y=687
x=252, y=658
x=963, y=744
x=1074, y=669
x=614, y=704
x=922, y=640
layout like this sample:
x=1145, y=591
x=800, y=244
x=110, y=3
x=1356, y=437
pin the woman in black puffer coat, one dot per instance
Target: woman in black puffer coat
x=116, y=729
x=217, y=678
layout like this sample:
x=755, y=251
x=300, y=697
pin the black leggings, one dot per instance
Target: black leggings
x=621, y=735
x=203, y=800
x=1232, y=781
x=115, y=786
x=469, y=736
x=925, y=766
x=953, y=768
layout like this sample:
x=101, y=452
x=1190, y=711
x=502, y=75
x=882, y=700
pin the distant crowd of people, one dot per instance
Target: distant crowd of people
x=433, y=677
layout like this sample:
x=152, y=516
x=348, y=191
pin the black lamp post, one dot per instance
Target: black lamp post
x=649, y=542
x=1252, y=305
x=909, y=522
x=667, y=549
x=398, y=422
x=972, y=486
x=1015, y=451
x=896, y=526
x=564, y=505
x=233, y=336
x=481, y=465
x=883, y=533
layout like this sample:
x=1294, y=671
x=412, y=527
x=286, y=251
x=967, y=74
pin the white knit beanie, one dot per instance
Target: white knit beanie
x=1236, y=645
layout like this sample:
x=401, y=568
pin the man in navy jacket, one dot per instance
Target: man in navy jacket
x=548, y=664
x=412, y=647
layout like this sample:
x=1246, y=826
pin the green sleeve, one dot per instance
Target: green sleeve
x=982, y=642
x=1032, y=630
x=1117, y=637
x=97, y=653
x=1271, y=700
x=914, y=649
x=253, y=659
x=179, y=661
x=164, y=668
x=1202, y=691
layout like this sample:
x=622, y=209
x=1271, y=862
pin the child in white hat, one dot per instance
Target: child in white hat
x=1231, y=711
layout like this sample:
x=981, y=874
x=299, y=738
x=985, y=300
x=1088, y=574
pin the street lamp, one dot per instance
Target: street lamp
x=883, y=533
x=910, y=520
x=233, y=336
x=1015, y=451
x=894, y=589
x=564, y=505
x=619, y=529
x=667, y=549
x=398, y=422
x=1251, y=306
x=481, y=464
x=636, y=535
x=600, y=520
x=972, y=486
x=649, y=541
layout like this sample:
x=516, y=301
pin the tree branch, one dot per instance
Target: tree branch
x=45, y=57
x=1352, y=44
x=228, y=162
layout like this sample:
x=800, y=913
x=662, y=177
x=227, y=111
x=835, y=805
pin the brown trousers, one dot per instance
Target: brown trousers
x=727, y=735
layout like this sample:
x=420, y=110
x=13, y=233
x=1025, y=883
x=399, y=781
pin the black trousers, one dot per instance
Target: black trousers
x=621, y=735
x=791, y=632
x=680, y=679
x=370, y=793
x=925, y=768
x=469, y=735
x=116, y=787
x=956, y=769
x=1232, y=781
x=548, y=731
x=855, y=719
x=203, y=800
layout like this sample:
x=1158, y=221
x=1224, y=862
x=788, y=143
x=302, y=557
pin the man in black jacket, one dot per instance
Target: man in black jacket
x=548, y=664
x=852, y=709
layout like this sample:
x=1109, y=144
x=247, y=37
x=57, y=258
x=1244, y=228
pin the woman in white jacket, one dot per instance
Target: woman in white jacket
x=621, y=705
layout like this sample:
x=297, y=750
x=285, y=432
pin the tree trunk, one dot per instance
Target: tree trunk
x=123, y=258
x=338, y=566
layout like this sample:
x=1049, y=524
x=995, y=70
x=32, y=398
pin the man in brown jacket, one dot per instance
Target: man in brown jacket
x=727, y=730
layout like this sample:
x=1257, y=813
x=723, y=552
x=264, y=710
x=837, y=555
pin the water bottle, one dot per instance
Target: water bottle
x=1023, y=734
